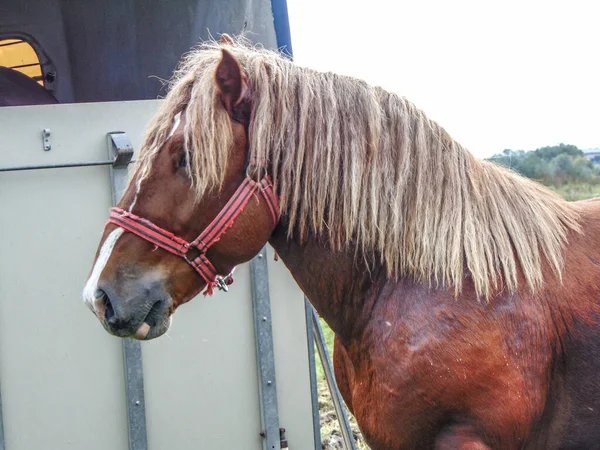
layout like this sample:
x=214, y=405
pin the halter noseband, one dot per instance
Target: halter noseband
x=211, y=234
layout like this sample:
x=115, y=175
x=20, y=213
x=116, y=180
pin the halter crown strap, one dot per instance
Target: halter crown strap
x=211, y=234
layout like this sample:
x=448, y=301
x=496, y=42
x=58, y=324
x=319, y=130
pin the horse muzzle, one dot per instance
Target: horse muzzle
x=144, y=313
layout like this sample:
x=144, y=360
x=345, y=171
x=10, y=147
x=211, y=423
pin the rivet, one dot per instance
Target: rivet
x=264, y=319
x=269, y=382
x=137, y=403
x=260, y=255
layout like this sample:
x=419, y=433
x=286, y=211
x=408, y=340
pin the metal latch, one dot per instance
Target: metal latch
x=46, y=139
x=123, y=148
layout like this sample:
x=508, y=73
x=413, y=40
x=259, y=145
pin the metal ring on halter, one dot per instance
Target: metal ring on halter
x=223, y=282
x=251, y=167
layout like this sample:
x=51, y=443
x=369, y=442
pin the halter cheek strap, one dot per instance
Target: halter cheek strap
x=211, y=234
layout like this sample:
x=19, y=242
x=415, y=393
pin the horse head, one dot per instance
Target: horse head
x=189, y=215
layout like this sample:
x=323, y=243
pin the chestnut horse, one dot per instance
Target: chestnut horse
x=463, y=297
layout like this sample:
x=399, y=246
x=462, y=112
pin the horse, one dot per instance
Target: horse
x=464, y=298
x=17, y=89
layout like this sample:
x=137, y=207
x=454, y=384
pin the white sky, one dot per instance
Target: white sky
x=496, y=75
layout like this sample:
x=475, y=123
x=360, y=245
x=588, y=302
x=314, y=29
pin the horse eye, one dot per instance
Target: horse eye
x=182, y=160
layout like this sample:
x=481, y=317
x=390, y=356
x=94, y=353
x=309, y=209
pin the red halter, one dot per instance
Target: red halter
x=211, y=234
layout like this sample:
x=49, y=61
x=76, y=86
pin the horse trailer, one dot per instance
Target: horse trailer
x=236, y=371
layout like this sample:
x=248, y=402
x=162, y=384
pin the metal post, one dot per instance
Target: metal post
x=338, y=403
x=312, y=367
x=121, y=151
x=134, y=389
x=265, y=354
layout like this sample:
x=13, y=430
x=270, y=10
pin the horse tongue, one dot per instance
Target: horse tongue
x=142, y=331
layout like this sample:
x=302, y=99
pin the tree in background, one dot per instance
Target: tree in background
x=557, y=164
x=549, y=153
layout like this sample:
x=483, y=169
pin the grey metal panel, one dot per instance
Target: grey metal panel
x=265, y=355
x=291, y=356
x=2, y=446
x=61, y=373
x=200, y=379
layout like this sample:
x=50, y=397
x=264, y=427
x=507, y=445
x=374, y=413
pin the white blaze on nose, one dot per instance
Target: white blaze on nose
x=89, y=291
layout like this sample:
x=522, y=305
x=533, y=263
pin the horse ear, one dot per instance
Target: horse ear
x=230, y=82
x=226, y=39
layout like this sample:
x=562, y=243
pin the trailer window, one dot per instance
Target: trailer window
x=20, y=55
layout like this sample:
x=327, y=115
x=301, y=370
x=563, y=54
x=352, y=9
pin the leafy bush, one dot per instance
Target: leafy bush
x=556, y=165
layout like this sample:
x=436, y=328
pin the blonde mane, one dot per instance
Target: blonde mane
x=358, y=164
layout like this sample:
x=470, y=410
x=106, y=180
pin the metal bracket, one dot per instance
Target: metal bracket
x=120, y=147
x=123, y=148
x=46, y=139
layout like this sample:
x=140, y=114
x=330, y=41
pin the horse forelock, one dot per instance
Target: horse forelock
x=362, y=165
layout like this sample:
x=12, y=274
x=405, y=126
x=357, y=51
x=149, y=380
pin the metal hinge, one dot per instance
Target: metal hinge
x=283, y=443
x=282, y=438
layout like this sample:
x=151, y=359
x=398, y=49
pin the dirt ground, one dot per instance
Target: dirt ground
x=331, y=437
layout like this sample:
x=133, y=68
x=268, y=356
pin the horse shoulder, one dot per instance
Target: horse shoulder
x=427, y=361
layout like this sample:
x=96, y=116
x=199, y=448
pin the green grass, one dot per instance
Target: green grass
x=329, y=340
x=330, y=428
x=577, y=191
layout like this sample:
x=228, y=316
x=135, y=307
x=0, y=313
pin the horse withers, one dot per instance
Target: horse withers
x=463, y=297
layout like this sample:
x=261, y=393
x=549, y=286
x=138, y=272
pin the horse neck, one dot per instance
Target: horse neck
x=338, y=284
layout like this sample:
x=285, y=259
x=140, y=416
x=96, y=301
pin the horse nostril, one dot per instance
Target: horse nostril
x=110, y=311
x=100, y=303
x=114, y=317
x=103, y=305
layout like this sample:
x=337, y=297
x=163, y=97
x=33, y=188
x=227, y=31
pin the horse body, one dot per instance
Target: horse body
x=464, y=298
x=420, y=368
